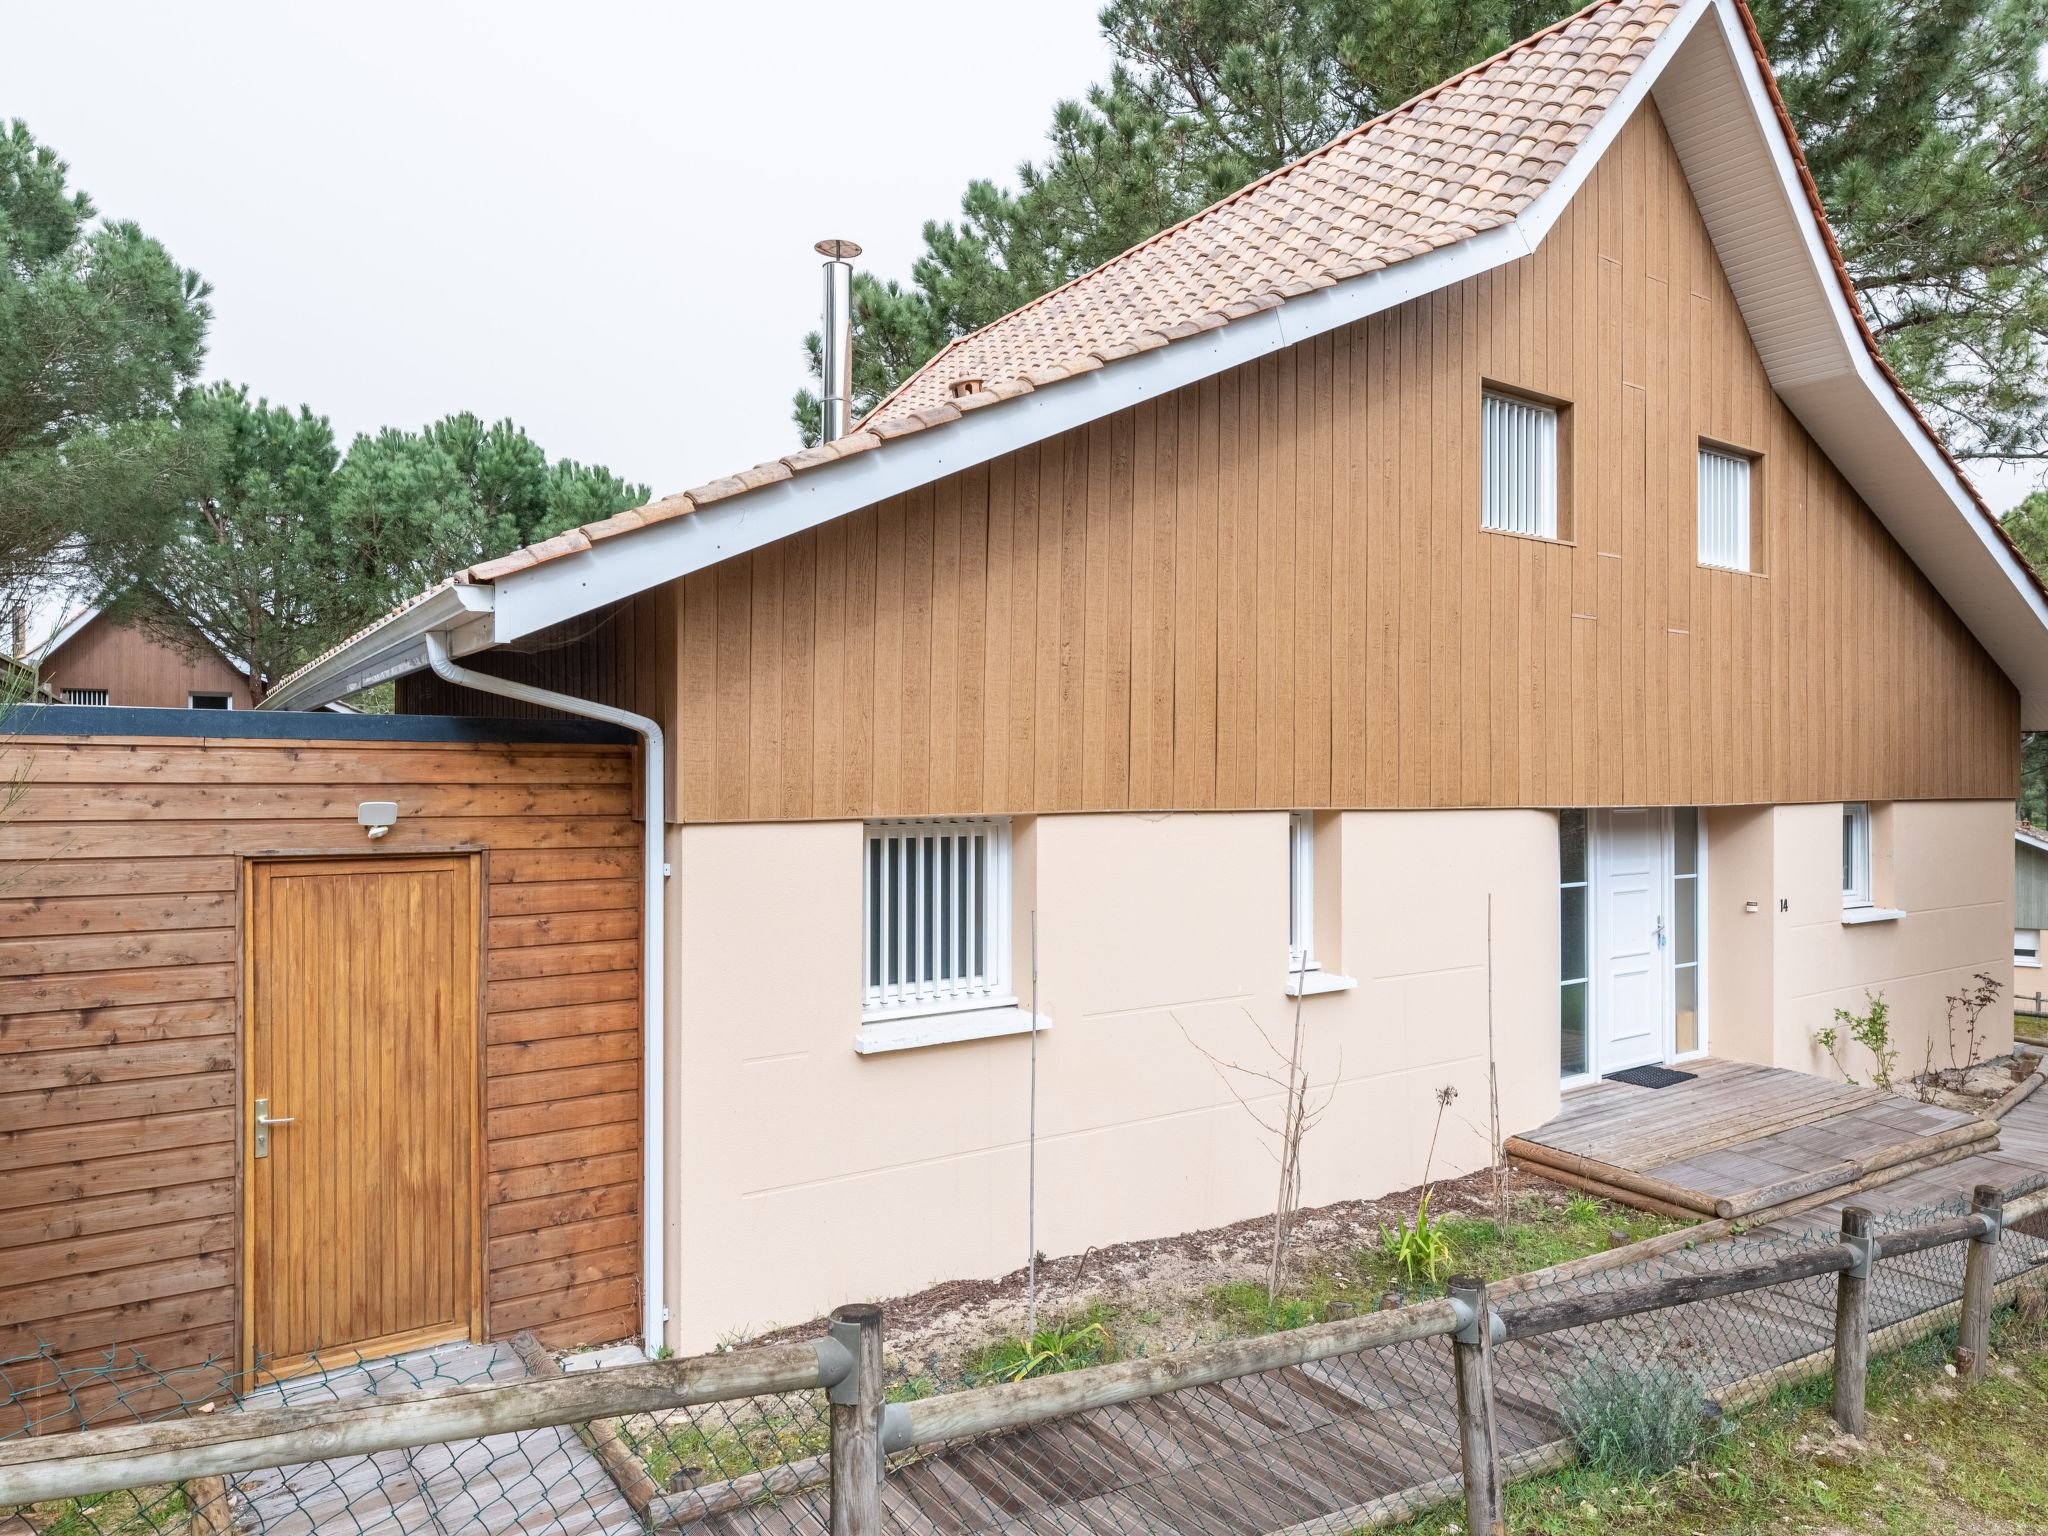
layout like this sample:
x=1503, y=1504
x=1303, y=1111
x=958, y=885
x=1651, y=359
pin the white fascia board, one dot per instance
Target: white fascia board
x=393, y=648
x=2020, y=648
x=2030, y=840
x=63, y=636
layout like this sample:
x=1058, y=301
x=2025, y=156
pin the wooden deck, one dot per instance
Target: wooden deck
x=1739, y=1138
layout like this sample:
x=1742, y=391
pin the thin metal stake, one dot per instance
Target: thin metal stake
x=1031, y=1153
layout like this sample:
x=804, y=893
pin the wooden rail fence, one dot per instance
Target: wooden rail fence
x=866, y=1431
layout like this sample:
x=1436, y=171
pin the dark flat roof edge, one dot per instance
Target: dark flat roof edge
x=300, y=725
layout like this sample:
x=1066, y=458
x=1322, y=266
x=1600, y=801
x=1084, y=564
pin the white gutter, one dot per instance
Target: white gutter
x=654, y=872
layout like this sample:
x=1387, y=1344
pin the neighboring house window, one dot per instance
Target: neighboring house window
x=1301, y=891
x=1855, y=855
x=936, y=916
x=2026, y=946
x=212, y=700
x=1573, y=1060
x=1724, y=509
x=85, y=695
x=1517, y=466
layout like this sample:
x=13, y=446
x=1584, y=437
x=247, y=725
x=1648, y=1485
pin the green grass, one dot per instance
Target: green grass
x=1538, y=1235
x=1944, y=1458
x=1064, y=1344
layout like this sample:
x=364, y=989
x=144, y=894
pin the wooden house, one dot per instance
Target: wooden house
x=1479, y=584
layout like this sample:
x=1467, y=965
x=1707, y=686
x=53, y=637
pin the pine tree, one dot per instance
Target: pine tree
x=100, y=332
x=1924, y=122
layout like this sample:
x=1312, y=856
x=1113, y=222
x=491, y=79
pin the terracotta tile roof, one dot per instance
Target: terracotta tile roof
x=1469, y=155
x=1462, y=158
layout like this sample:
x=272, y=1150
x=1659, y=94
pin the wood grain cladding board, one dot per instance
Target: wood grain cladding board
x=1270, y=589
x=121, y=876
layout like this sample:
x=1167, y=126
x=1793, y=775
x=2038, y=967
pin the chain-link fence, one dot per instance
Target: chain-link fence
x=1342, y=1426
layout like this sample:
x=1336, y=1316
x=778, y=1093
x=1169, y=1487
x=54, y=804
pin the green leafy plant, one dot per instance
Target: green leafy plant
x=1421, y=1250
x=1872, y=1030
x=1633, y=1420
x=1062, y=1347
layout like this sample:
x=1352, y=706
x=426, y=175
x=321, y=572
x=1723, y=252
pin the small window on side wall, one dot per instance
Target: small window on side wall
x=1855, y=855
x=2026, y=946
x=1727, y=482
x=211, y=700
x=1520, y=451
x=1301, y=891
x=85, y=696
x=935, y=910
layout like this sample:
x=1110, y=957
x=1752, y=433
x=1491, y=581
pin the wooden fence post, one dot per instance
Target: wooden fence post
x=857, y=1425
x=1852, y=1323
x=1973, y=1332
x=1478, y=1446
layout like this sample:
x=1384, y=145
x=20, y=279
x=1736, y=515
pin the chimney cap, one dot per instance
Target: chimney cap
x=838, y=250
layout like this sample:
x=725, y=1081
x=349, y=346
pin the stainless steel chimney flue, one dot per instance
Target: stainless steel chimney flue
x=836, y=417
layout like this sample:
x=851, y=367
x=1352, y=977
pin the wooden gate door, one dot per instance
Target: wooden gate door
x=359, y=1107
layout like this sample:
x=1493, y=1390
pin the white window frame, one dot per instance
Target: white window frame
x=1517, y=465
x=963, y=988
x=1724, y=503
x=1301, y=892
x=2030, y=956
x=228, y=699
x=1856, y=874
x=88, y=698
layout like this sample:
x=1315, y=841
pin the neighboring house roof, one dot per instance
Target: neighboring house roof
x=1464, y=178
x=2031, y=836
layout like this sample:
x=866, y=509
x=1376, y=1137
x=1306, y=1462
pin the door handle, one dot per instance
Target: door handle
x=264, y=1121
x=1660, y=930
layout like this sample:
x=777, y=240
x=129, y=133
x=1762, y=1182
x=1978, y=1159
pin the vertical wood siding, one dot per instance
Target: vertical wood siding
x=1272, y=588
x=120, y=1103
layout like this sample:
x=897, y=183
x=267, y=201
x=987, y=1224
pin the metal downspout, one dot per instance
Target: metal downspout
x=653, y=1215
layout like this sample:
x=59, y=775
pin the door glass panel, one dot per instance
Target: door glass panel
x=1573, y=1057
x=1572, y=1033
x=1571, y=846
x=1571, y=959
x=1687, y=1034
x=1685, y=921
x=1685, y=841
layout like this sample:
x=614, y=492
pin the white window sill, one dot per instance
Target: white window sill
x=943, y=1029
x=1314, y=983
x=2026, y=965
x=1854, y=915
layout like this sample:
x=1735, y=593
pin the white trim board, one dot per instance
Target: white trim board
x=1714, y=101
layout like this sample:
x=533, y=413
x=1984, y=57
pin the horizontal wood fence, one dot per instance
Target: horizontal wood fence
x=866, y=1431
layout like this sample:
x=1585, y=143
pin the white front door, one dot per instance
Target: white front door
x=1632, y=885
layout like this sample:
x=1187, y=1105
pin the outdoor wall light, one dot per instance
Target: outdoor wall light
x=378, y=816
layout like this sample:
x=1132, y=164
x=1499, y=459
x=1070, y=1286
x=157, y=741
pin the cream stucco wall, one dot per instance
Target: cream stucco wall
x=804, y=1175
x=1777, y=976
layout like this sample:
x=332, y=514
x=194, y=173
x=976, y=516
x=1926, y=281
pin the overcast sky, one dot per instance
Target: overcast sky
x=594, y=218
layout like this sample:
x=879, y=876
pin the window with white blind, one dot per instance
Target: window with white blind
x=935, y=928
x=1517, y=466
x=1301, y=891
x=1724, y=509
x=85, y=695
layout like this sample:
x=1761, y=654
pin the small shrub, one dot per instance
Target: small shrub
x=1066, y=1346
x=1631, y=1420
x=1871, y=1030
x=1420, y=1250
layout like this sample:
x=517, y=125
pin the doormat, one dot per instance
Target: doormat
x=1650, y=1077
